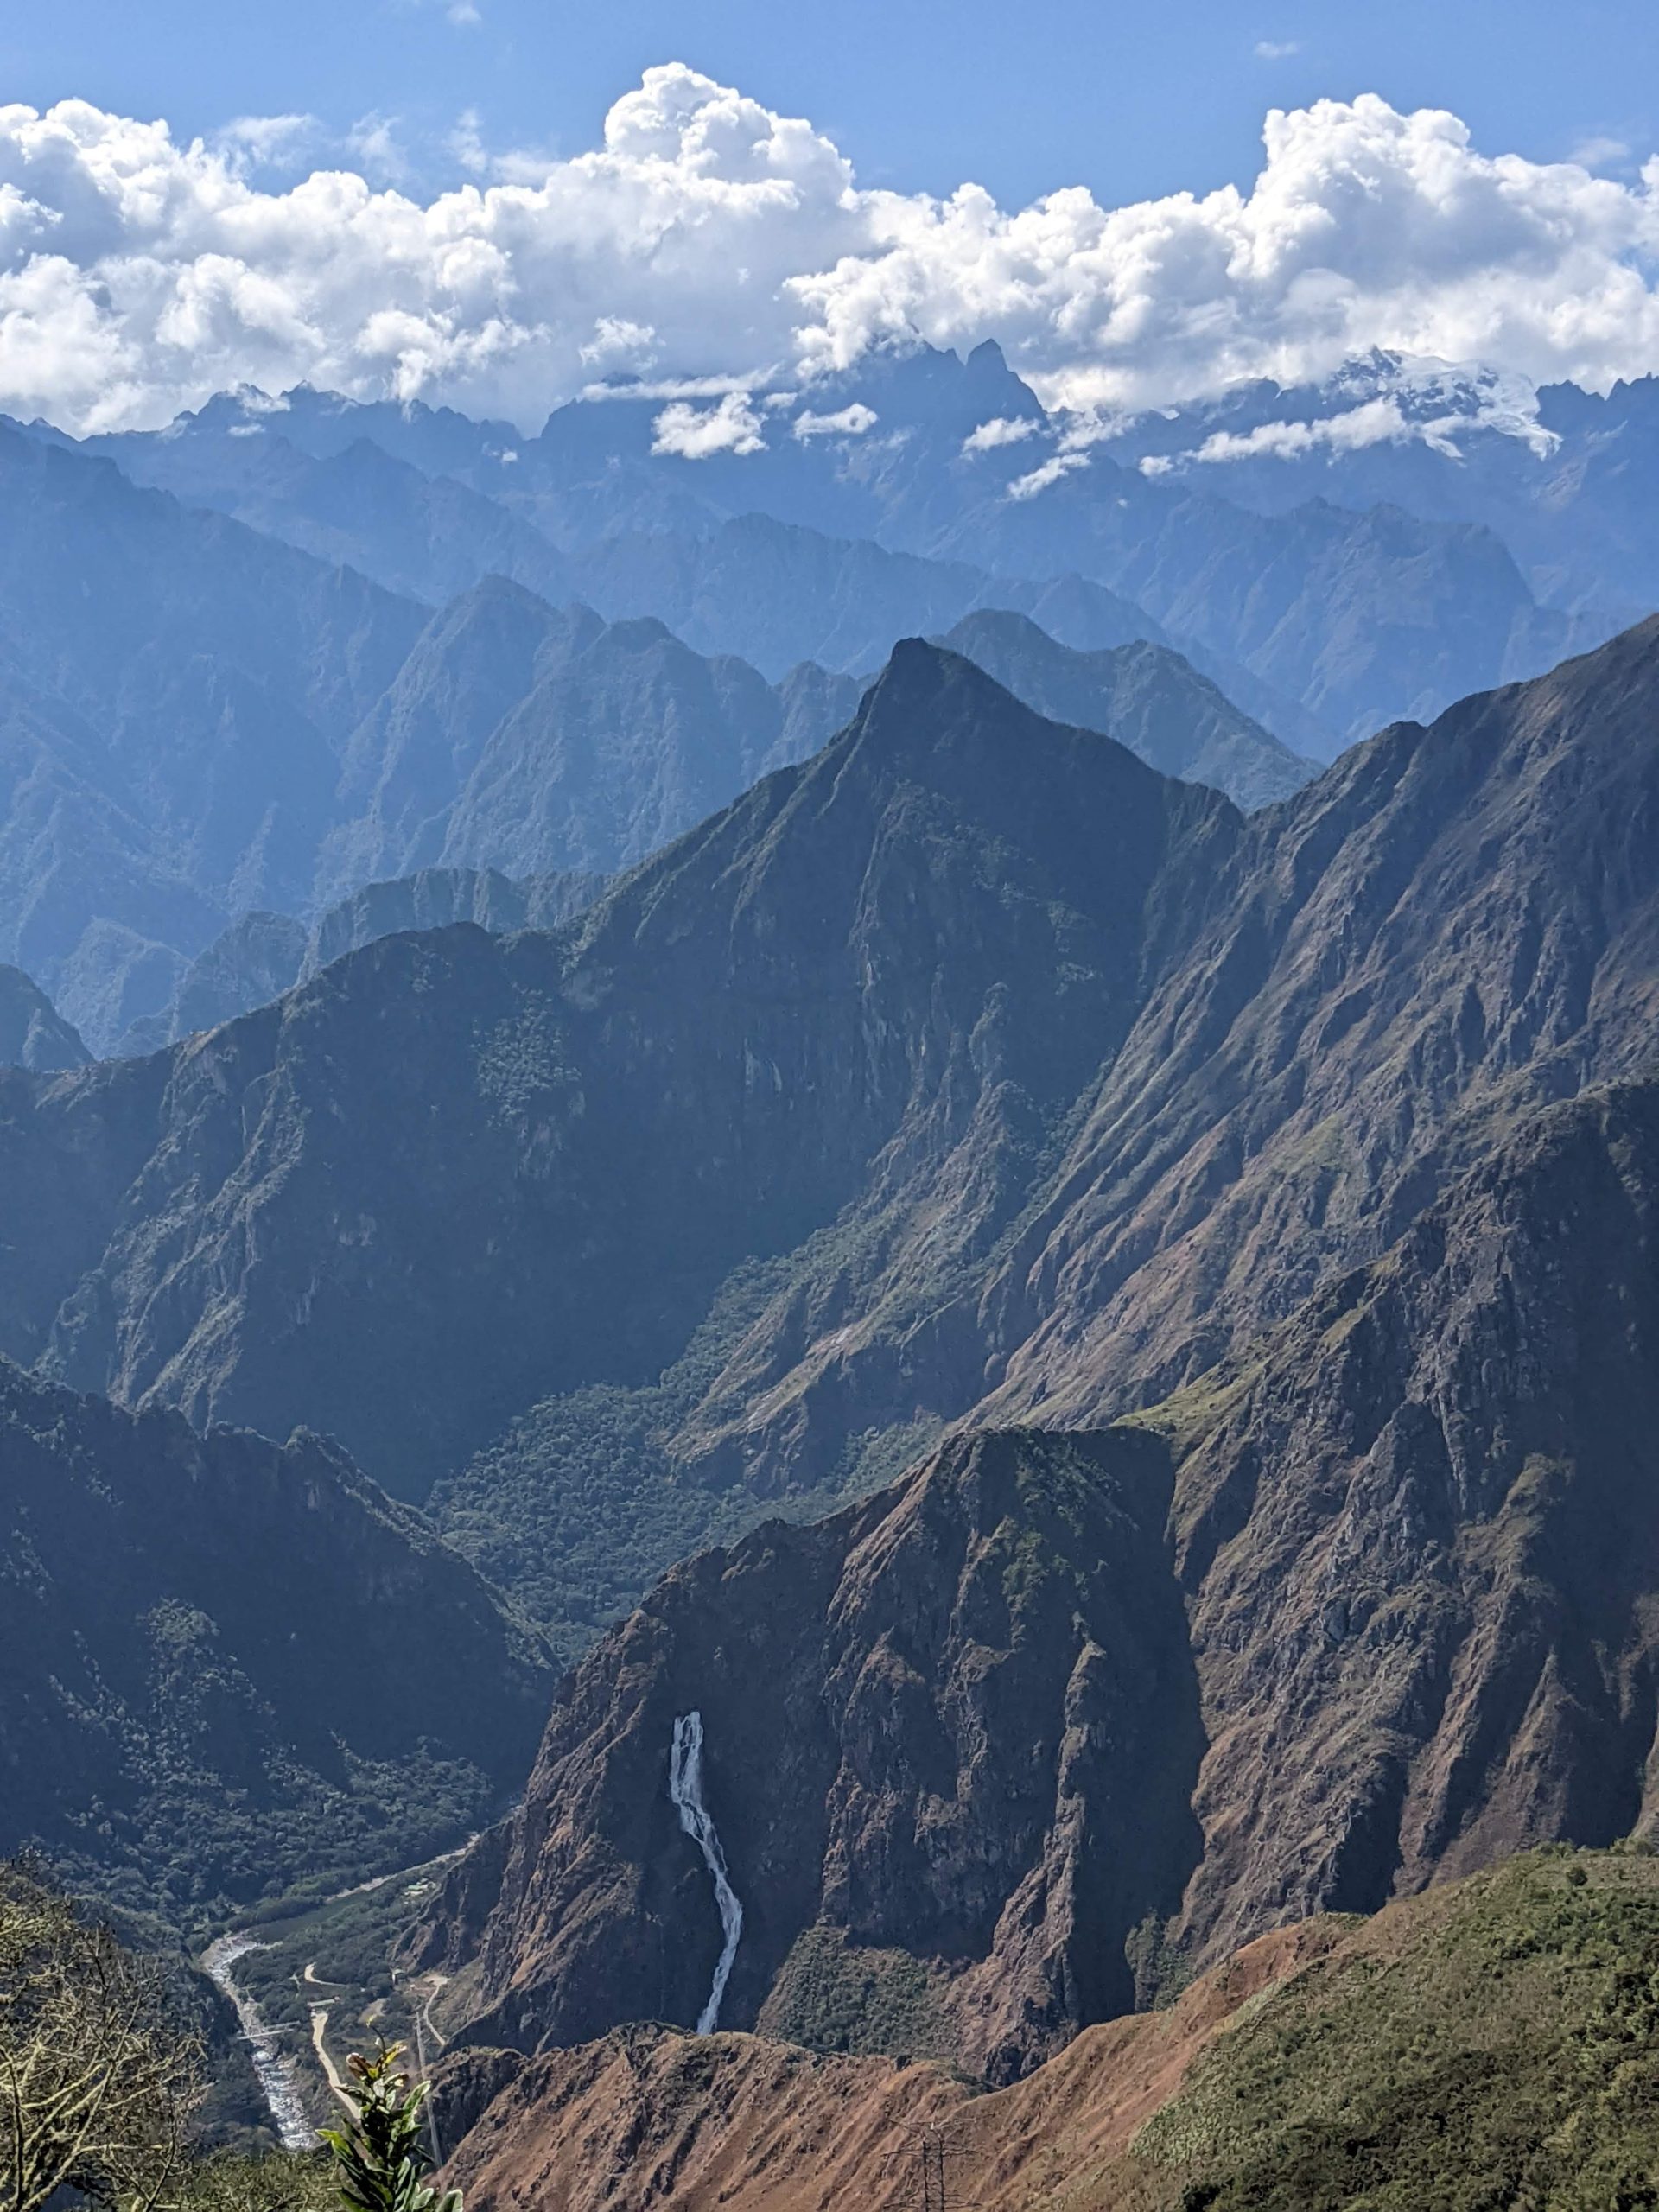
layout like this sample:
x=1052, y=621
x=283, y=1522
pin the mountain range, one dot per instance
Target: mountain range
x=1335, y=600
x=1179, y=1063
x=252, y=728
x=964, y=1107
x=1020, y=1719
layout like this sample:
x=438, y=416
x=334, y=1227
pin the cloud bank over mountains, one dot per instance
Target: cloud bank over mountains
x=708, y=236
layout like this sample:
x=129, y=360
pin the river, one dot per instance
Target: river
x=279, y=2077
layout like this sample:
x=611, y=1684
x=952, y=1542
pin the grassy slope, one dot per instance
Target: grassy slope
x=1492, y=2046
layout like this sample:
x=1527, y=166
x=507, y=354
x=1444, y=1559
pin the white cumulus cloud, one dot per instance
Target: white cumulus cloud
x=1038, y=480
x=1001, y=430
x=696, y=433
x=706, y=238
x=845, y=423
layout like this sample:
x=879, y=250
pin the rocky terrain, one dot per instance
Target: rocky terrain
x=261, y=955
x=1143, y=695
x=1177, y=1066
x=706, y=1069
x=1021, y=1719
x=33, y=1033
x=960, y=1721
x=1324, y=605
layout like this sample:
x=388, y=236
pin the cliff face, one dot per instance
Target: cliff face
x=1418, y=1542
x=1452, y=927
x=1403, y=1625
x=960, y=1721
x=230, y=1665
x=33, y=1035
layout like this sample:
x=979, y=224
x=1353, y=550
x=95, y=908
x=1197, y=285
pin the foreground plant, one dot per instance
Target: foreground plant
x=383, y=2153
x=97, y=2085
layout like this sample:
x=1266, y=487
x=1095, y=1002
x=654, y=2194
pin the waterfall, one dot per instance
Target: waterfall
x=685, y=1790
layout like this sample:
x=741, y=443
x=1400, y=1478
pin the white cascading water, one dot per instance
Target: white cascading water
x=685, y=1790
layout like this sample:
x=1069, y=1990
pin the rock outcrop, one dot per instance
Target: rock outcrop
x=960, y=1721
x=1404, y=1626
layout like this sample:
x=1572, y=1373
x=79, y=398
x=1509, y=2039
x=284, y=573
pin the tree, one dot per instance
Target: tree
x=97, y=2081
x=381, y=2153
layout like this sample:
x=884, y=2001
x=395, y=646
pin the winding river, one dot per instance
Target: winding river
x=278, y=2075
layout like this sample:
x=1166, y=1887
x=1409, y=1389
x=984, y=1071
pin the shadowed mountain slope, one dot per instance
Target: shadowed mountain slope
x=33, y=1035
x=1056, y=1079
x=261, y=956
x=891, y=968
x=1147, y=697
x=230, y=1667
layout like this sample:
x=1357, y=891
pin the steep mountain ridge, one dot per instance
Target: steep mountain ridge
x=261, y=956
x=958, y=1721
x=773, y=982
x=1450, y=927
x=33, y=1033
x=198, y=722
x=1054, y=1078
x=1143, y=695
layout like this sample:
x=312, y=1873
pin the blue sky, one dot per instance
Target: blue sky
x=1129, y=100
x=1454, y=181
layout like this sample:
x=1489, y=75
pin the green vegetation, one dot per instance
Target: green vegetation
x=832, y=1995
x=97, y=2079
x=583, y=1505
x=381, y=2154
x=338, y=1956
x=183, y=1618
x=189, y=1858
x=1489, y=2048
x=103, y=2086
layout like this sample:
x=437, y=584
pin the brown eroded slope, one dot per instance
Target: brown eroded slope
x=651, y=2116
x=1489, y=2043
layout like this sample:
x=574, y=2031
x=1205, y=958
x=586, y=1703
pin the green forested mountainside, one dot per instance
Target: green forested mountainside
x=1178, y=1066
x=1410, y=1533
x=1487, y=2043
x=487, y=1170
x=232, y=1667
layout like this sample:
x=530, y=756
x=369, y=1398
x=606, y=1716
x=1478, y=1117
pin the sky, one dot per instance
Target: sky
x=1132, y=101
x=495, y=202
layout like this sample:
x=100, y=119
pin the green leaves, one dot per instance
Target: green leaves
x=382, y=2155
